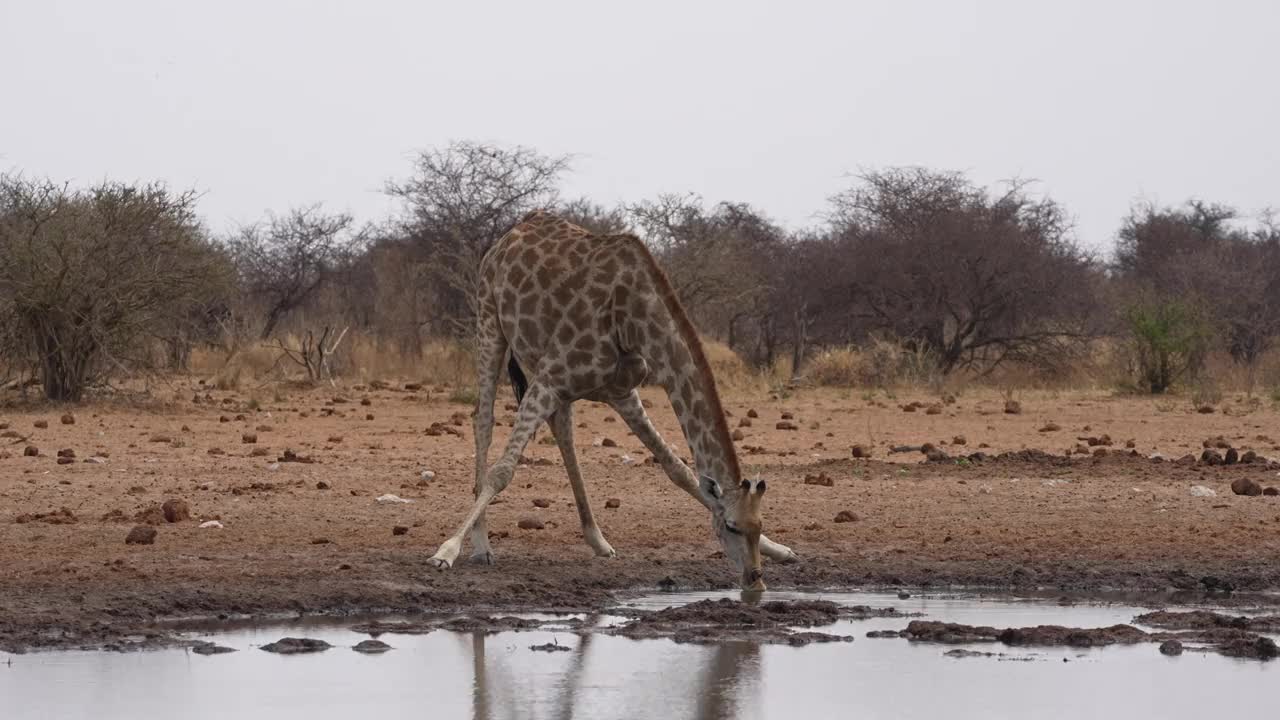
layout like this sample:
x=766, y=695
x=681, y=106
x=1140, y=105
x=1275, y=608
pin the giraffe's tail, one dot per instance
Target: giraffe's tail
x=519, y=383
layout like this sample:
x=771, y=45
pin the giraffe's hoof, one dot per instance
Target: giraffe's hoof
x=440, y=563
x=790, y=557
x=483, y=558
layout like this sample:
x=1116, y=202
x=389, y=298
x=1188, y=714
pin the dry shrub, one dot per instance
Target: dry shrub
x=881, y=363
x=730, y=370
x=837, y=367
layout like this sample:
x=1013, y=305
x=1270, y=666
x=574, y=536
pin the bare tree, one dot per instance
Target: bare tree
x=284, y=261
x=88, y=276
x=597, y=218
x=974, y=279
x=459, y=200
x=718, y=257
x=1200, y=252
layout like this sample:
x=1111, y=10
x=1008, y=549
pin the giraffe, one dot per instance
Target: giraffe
x=576, y=316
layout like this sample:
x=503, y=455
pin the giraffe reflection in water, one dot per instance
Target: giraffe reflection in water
x=724, y=677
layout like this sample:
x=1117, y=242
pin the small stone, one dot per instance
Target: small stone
x=141, y=535
x=904, y=595
x=31, y=451
x=1012, y=407
x=248, y=438
x=744, y=422
x=1202, y=491
x=934, y=409
x=860, y=451
x=211, y=649
x=1246, y=486
x=530, y=523
x=608, y=442
x=752, y=413
x=1271, y=491
x=959, y=440
x=1171, y=647
x=541, y=503
x=290, y=646
x=1231, y=457
x=400, y=530
x=615, y=503
x=737, y=435
x=210, y=525
x=335, y=439
x=1050, y=427
x=322, y=485
x=68, y=419
x=786, y=425
x=845, y=516
x=42, y=424
x=161, y=438
x=821, y=479
x=1210, y=457
x=320, y=541
x=371, y=647
x=175, y=510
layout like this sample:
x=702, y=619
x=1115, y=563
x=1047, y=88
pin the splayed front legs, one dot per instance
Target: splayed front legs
x=632, y=412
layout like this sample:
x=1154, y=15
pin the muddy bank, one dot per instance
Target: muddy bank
x=726, y=620
x=1216, y=634
x=112, y=607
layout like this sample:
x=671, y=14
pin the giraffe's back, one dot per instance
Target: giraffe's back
x=568, y=302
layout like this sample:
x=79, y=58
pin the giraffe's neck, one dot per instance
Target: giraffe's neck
x=692, y=391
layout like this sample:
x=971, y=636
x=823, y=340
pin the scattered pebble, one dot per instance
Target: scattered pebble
x=290, y=646
x=530, y=523
x=389, y=498
x=141, y=535
x=371, y=647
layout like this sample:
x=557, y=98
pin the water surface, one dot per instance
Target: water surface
x=473, y=675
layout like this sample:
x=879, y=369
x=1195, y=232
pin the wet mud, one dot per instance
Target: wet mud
x=1212, y=632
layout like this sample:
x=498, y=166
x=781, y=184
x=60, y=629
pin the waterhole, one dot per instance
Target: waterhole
x=575, y=674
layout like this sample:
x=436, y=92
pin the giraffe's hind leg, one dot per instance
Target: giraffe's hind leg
x=562, y=428
x=632, y=412
x=491, y=351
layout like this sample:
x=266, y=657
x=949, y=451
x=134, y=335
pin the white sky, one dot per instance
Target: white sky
x=267, y=104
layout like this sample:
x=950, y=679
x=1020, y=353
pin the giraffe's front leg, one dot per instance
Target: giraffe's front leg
x=536, y=407
x=777, y=551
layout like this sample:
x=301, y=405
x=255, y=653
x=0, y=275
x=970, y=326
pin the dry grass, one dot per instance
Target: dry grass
x=879, y=366
x=360, y=358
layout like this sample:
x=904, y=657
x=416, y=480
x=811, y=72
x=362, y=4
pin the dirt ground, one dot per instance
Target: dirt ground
x=302, y=537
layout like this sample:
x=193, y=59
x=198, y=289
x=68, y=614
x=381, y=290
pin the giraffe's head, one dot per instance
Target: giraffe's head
x=735, y=515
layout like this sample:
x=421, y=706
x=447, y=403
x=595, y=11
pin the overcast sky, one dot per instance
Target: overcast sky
x=265, y=104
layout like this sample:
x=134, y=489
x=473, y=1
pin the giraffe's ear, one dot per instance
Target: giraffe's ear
x=710, y=488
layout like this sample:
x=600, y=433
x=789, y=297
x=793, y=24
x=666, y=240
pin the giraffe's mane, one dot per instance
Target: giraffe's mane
x=689, y=334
